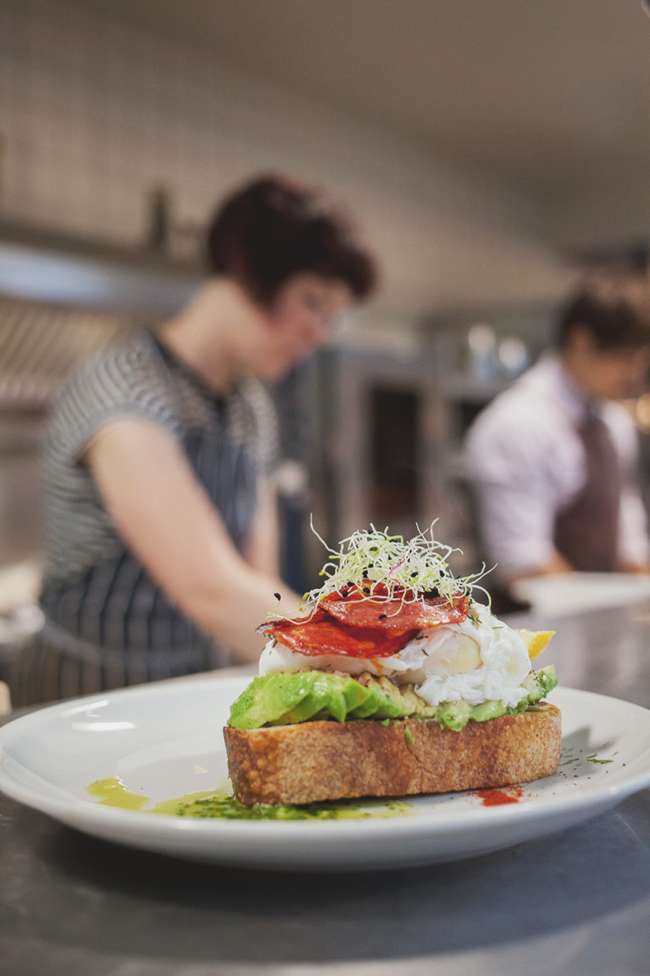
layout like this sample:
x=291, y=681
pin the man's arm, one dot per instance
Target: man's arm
x=510, y=463
x=517, y=529
x=633, y=528
x=634, y=548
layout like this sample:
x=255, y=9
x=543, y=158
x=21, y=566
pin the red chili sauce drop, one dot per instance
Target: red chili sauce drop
x=494, y=798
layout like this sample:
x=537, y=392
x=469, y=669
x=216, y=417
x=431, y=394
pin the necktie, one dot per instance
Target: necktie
x=586, y=531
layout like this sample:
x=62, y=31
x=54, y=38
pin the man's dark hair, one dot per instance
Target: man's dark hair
x=613, y=307
x=273, y=228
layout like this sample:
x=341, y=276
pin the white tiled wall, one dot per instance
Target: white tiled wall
x=95, y=111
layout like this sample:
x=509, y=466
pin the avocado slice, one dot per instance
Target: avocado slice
x=454, y=714
x=287, y=698
x=416, y=707
x=539, y=683
x=329, y=693
x=269, y=697
x=384, y=701
x=487, y=710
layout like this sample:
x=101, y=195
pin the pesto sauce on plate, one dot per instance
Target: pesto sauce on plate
x=223, y=806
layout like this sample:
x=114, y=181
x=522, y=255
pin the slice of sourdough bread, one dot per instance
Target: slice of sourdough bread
x=316, y=761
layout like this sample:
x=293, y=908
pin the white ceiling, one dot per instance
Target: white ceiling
x=551, y=96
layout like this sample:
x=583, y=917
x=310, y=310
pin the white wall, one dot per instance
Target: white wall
x=93, y=111
x=605, y=212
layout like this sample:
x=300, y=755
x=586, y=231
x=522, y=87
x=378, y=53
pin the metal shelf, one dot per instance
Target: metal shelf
x=41, y=265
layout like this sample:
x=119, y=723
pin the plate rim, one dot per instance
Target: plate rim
x=65, y=810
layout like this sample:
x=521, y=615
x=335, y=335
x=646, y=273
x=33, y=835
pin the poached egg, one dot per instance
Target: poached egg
x=480, y=659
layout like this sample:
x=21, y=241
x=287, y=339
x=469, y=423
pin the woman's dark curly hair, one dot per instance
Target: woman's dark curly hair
x=273, y=228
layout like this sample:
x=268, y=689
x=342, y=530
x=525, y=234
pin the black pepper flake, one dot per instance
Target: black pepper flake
x=277, y=596
x=365, y=574
x=382, y=616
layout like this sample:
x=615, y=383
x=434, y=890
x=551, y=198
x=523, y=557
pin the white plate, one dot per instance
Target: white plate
x=165, y=740
x=569, y=593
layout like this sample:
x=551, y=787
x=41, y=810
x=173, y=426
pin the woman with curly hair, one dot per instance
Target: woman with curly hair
x=160, y=512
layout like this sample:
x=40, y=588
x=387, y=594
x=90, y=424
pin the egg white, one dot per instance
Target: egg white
x=477, y=660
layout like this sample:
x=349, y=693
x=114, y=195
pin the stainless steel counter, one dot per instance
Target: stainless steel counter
x=574, y=903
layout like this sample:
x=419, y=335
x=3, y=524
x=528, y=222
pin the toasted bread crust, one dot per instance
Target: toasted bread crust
x=317, y=761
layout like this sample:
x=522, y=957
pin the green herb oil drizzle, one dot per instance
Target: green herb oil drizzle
x=222, y=806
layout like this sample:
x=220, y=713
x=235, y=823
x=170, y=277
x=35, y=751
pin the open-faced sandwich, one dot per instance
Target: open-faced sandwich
x=395, y=681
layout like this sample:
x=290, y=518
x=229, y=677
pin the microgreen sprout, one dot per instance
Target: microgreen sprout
x=385, y=567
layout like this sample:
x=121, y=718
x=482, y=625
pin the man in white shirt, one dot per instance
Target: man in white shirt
x=553, y=460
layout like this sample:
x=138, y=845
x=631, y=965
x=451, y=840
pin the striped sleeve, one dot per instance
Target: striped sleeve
x=122, y=382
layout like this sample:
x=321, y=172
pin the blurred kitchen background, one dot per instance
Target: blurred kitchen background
x=494, y=151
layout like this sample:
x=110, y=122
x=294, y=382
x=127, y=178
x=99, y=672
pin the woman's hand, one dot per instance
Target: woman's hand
x=164, y=515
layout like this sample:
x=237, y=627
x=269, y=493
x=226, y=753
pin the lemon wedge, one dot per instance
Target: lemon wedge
x=537, y=640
